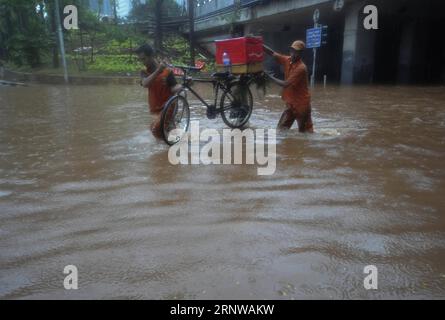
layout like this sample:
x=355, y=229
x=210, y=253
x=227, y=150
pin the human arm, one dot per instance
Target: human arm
x=268, y=50
x=145, y=81
x=279, y=58
x=293, y=78
x=171, y=82
x=281, y=83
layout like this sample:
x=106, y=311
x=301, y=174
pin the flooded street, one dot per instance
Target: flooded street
x=83, y=182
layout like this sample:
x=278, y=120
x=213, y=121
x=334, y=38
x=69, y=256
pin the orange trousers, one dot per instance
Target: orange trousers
x=303, y=116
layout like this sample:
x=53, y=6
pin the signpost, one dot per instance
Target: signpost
x=313, y=40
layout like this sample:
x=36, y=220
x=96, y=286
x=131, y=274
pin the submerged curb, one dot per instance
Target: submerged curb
x=13, y=76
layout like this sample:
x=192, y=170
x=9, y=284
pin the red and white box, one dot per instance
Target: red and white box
x=246, y=54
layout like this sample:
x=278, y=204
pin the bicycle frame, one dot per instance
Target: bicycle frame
x=217, y=85
x=220, y=82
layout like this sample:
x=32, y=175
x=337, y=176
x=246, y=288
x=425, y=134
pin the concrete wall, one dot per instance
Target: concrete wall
x=254, y=13
x=208, y=6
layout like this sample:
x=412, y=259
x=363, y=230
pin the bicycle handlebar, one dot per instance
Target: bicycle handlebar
x=185, y=68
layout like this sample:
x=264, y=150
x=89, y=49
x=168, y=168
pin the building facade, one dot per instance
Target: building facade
x=407, y=47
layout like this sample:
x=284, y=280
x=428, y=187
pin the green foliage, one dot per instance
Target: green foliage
x=23, y=35
x=28, y=38
x=120, y=64
x=90, y=22
x=177, y=50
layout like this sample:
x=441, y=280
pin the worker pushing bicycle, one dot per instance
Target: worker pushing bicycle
x=239, y=61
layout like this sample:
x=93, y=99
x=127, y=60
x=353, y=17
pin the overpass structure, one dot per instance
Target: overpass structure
x=407, y=47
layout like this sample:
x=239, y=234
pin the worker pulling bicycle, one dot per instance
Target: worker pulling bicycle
x=160, y=82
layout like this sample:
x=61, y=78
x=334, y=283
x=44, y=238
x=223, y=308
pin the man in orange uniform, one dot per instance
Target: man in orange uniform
x=160, y=82
x=296, y=92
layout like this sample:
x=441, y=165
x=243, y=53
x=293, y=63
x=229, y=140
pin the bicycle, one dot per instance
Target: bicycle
x=235, y=105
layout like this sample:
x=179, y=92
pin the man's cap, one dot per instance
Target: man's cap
x=146, y=49
x=298, y=45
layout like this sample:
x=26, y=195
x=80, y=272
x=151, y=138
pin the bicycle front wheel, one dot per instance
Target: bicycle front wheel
x=237, y=105
x=175, y=119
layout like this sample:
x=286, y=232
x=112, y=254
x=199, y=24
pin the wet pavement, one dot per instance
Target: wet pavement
x=83, y=182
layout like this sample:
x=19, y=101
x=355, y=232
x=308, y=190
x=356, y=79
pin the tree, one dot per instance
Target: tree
x=91, y=25
x=23, y=31
x=153, y=13
x=83, y=11
x=115, y=6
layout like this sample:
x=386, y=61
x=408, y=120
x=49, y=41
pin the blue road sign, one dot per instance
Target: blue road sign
x=313, y=38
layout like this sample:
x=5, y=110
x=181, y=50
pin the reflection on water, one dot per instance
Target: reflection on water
x=83, y=182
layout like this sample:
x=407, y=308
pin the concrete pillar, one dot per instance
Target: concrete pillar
x=358, y=47
x=248, y=29
x=364, y=58
x=419, y=57
x=349, y=43
x=442, y=77
x=406, y=53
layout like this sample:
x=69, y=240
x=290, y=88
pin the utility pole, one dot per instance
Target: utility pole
x=192, y=31
x=61, y=43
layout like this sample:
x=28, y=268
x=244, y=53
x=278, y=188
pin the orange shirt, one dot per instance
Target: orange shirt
x=158, y=91
x=297, y=93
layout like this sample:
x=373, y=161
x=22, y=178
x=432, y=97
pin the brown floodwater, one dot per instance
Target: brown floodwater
x=83, y=182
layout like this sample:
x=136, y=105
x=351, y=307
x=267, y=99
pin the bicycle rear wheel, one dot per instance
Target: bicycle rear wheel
x=237, y=105
x=175, y=119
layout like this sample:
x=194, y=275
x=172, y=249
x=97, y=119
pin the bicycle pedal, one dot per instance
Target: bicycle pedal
x=211, y=112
